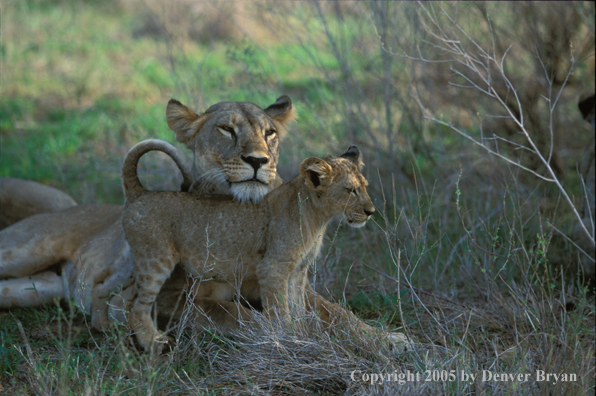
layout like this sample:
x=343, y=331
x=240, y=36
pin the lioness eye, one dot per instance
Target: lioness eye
x=270, y=132
x=227, y=129
x=352, y=191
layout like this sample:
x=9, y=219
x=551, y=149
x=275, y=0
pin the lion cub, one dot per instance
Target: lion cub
x=239, y=245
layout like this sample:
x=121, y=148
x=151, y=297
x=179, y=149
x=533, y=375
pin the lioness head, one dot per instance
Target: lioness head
x=235, y=145
x=339, y=180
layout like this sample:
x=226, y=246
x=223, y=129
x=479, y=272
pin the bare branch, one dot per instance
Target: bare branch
x=571, y=241
x=450, y=42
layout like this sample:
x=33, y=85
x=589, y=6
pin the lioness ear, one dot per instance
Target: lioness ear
x=354, y=155
x=317, y=174
x=183, y=121
x=282, y=111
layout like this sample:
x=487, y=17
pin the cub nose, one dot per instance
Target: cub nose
x=255, y=162
x=369, y=211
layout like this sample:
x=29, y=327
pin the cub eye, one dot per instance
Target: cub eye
x=352, y=191
x=270, y=132
x=224, y=129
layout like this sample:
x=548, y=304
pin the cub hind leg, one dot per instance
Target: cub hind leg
x=153, y=268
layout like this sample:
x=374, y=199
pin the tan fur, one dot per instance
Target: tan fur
x=252, y=251
x=95, y=259
x=40, y=242
x=86, y=243
x=20, y=199
x=235, y=145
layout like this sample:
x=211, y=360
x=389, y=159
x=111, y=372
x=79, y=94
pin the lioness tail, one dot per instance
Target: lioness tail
x=130, y=180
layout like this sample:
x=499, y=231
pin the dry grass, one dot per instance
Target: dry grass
x=504, y=316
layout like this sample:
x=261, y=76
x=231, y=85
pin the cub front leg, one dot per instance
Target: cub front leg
x=273, y=277
x=150, y=276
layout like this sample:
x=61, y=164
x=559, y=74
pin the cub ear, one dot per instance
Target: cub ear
x=354, y=155
x=317, y=174
x=282, y=111
x=184, y=122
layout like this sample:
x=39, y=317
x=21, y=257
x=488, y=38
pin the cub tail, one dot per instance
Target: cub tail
x=130, y=179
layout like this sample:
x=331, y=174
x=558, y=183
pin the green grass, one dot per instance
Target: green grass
x=70, y=93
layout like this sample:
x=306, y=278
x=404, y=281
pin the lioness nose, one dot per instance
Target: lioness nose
x=369, y=211
x=255, y=162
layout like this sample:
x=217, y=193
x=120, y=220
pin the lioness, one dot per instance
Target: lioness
x=257, y=250
x=235, y=148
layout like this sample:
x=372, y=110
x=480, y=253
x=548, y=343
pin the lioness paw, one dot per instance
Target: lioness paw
x=158, y=344
x=399, y=343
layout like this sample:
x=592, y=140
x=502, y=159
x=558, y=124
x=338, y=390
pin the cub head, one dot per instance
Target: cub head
x=235, y=145
x=339, y=184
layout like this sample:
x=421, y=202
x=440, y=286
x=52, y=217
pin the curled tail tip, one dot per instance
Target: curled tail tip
x=130, y=181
